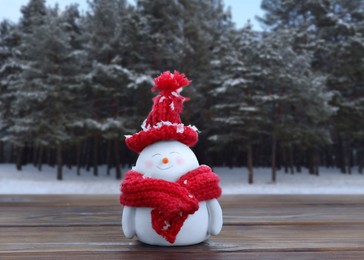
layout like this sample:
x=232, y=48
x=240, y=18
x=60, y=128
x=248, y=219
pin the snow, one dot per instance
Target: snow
x=105, y=125
x=233, y=181
x=235, y=82
x=213, y=138
x=142, y=79
x=269, y=97
x=219, y=90
x=330, y=181
x=248, y=109
x=179, y=127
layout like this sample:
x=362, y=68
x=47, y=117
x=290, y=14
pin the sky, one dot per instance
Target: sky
x=242, y=11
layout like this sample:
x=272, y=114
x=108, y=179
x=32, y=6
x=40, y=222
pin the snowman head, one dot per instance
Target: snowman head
x=167, y=160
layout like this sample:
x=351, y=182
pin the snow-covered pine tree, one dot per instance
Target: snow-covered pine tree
x=296, y=103
x=163, y=26
x=72, y=21
x=46, y=105
x=204, y=23
x=345, y=40
x=8, y=41
x=5, y=54
x=10, y=70
x=113, y=90
x=235, y=114
x=32, y=15
x=333, y=29
x=13, y=82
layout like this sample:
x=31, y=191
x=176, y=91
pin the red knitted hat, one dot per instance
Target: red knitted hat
x=164, y=121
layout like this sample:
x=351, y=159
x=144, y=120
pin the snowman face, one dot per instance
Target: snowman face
x=167, y=160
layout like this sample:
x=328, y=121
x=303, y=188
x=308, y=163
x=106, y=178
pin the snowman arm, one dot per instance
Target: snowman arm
x=215, y=217
x=128, y=221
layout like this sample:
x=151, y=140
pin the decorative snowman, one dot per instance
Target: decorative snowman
x=168, y=198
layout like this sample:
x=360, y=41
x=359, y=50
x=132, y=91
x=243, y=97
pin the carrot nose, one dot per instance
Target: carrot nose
x=165, y=160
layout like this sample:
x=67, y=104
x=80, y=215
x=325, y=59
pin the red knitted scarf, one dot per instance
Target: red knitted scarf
x=171, y=202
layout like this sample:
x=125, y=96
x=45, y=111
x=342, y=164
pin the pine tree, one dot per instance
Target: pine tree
x=8, y=41
x=9, y=71
x=32, y=15
x=113, y=88
x=235, y=112
x=296, y=101
x=331, y=30
x=45, y=104
x=163, y=26
x=205, y=22
x=13, y=82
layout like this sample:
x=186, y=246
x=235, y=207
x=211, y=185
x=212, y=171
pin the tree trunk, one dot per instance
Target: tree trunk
x=1, y=152
x=316, y=161
x=69, y=155
x=311, y=163
x=87, y=155
x=328, y=159
x=108, y=169
x=290, y=159
x=285, y=159
x=299, y=168
x=10, y=156
x=95, y=158
x=59, y=162
x=40, y=158
x=298, y=160
x=19, y=158
x=350, y=157
x=274, y=148
x=35, y=155
x=108, y=155
x=52, y=157
x=114, y=111
x=28, y=156
x=250, y=164
x=83, y=154
x=341, y=156
x=78, y=159
x=117, y=159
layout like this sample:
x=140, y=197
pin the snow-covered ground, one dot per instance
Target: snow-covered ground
x=233, y=181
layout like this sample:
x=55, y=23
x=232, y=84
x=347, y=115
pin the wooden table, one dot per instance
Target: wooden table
x=255, y=227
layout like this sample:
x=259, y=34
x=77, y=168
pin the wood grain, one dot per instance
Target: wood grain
x=255, y=227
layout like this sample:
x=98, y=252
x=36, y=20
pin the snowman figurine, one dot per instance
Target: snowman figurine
x=169, y=199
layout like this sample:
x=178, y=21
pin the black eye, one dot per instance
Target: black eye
x=156, y=154
x=174, y=152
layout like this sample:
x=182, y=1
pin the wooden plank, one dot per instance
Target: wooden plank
x=58, y=200
x=293, y=214
x=238, y=210
x=111, y=215
x=60, y=216
x=167, y=254
x=232, y=239
x=229, y=200
x=255, y=227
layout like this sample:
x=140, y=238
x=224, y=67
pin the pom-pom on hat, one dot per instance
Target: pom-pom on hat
x=164, y=121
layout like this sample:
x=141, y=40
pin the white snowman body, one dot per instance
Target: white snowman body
x=169, y=160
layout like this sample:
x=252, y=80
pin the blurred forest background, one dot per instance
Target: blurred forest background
x=72, y=84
